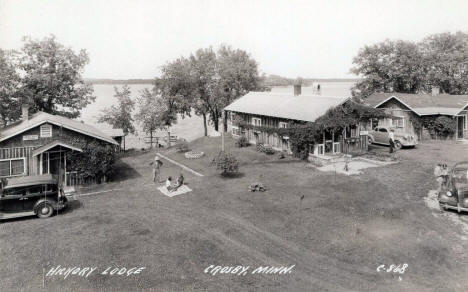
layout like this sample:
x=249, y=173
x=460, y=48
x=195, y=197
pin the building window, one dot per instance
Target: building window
x=256, y=122
x=46, y=131
x=282, y=125
x=12, y=167
x=398, y=122
x=236, y=131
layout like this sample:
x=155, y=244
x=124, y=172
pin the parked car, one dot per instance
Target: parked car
x=380, y=136
x=454, y=194
x=31, y=195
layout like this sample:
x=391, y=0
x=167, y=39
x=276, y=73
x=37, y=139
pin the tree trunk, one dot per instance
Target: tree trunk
x=151, y=139
x=204, y=125
x=215, y=118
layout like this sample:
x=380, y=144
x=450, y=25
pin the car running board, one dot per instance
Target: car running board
x=4, y=216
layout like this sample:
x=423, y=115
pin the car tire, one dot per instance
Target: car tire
x=397, y=145
x=369, y=140
x=44, y=210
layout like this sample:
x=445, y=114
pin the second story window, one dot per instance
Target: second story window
x=256, y=121
x=46, y=131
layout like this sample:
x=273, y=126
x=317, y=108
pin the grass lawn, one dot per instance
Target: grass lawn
x=337, y=236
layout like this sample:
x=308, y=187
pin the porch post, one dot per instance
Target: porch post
x=65, y=167
x=40, y=164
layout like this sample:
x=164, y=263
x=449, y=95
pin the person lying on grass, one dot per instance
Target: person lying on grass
x=179, y=183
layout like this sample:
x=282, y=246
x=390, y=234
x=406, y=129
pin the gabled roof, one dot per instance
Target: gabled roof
x=301, y=108
x=46, y=147
x=423, y=104
x=40, y=118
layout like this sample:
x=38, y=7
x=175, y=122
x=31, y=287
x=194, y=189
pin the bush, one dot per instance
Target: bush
x=242, y=142
x=182, y=146
x=226, y=163
x=269, y=150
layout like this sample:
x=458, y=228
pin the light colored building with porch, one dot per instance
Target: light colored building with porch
x=406, y=108
x=278, y=110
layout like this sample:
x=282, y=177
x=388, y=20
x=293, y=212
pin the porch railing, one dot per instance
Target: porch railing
x=16, y=152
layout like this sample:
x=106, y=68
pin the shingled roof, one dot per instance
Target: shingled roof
x=423, y=104
x=287, y=106
x=40, y=118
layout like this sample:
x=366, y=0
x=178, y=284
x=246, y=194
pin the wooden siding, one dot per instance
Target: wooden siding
x=356, y=143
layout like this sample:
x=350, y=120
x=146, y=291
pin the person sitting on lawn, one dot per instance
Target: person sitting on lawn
x=169, y=184
x=179, y=183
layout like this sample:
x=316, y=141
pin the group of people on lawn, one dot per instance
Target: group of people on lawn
x=171, y=187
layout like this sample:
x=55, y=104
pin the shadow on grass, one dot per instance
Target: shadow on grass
x=123, y=171
x=71, y=206
x=232, y=175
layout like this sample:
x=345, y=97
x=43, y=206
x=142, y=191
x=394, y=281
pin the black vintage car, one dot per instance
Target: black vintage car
x=31, y=195
x=454, y=195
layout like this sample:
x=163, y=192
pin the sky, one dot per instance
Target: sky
x=311, y=39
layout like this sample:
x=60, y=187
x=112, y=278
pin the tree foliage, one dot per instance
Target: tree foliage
x=403, y=66
x=95, y=161
x=120, y=115
x=207, y=81
x=52, y=79
x=153, y=111
x=9, y=83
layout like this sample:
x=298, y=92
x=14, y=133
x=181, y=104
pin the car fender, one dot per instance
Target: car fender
x=371, y=136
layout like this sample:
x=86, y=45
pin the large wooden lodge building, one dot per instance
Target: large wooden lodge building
x=279, y=109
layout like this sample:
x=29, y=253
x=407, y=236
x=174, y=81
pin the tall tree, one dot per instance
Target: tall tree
x=52, y=77
x=400, y=66
x=390, y=66
x=153, y=112
x=9, y=83
x=446, y=60
x=208, y=81
x=120, y=115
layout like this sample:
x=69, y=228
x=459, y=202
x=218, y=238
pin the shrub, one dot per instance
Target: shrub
x=242, y=142
x=226, y=163
x=182, y=146
x=269, y=150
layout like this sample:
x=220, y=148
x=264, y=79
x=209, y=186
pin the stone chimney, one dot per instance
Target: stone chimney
x=298, y=86
x=297, y=89
x=25, y=112
x=435, y=90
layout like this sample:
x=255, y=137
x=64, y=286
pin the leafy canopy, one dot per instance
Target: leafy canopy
x=120, y=115
x=402, y=66
x=52, y=79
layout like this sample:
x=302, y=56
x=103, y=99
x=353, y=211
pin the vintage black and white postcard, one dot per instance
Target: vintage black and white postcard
x=218, y=145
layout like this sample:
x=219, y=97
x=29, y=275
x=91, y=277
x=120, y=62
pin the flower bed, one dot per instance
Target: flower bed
x=194, y=154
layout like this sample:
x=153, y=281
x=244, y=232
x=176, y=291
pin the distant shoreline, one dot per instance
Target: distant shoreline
x=307, y=81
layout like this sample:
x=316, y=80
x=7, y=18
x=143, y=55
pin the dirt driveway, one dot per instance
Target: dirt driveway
x=337, y=236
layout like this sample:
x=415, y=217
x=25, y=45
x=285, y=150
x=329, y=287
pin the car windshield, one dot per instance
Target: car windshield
x=460, y=175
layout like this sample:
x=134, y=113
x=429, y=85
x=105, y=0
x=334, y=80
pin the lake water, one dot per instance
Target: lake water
x=189, y=128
